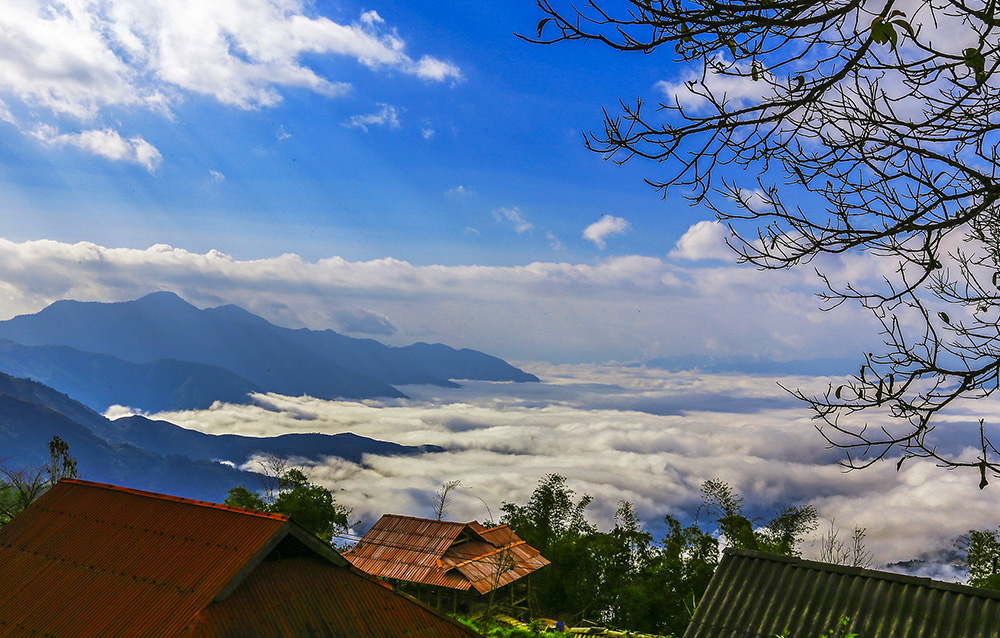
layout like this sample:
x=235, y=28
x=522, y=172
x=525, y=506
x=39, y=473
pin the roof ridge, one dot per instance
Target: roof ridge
x=175, y=499
x=421, y=518
x=487, y=554
x=866, y=572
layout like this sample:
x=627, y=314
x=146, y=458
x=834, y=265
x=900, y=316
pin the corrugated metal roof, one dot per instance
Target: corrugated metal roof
x=300, y=597
x=754, y=594
x=88, y=559
x=444, y=553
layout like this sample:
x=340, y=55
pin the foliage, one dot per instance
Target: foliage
x=782, y=534
x=21, y=485
x=869, y=129
x=625, y=577
x=311, y=506
x=840, y=631
x=982, y=549
x=556, y=525
x=494, y=629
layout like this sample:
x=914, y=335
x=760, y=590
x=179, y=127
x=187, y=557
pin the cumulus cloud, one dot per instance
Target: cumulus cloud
x=386, y=115
x=704, y=240
x=608, y=225
x=106, y=143
x=620, y=308
x=364, y=322
x=81, y=59
x=513, y=216
x=434, y=69
x=648, y=436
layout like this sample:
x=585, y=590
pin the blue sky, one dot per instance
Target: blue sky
x=413, y=163
x=293, y=176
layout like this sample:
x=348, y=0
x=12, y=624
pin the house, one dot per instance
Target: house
x=448, y=564
x=89, y=560
x=763, y=595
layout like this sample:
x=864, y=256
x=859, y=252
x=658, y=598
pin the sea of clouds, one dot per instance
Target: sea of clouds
x=622, y=433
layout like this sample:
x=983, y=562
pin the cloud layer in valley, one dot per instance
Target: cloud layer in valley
x=648, y=436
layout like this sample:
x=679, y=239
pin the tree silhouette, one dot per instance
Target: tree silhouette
x=869, y=128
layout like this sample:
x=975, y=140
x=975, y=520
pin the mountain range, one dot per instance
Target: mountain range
x=162, y=353
x=153, y=455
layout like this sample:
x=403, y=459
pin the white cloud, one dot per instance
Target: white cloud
x=81, y=59
x=371, y=18
x=648, y=436
x=427, y=133
x=689, y=91
x=364, y=322
x=5, y=114
x=282, y=134
x=704, y=240
x=106, y=143
x=513, y=216
x=554, y=242
x=608, y=225
x=755, y=199
x=619, y=308
x=430, y=68
x=216, y=176
x=387, y=115
x=459, y=192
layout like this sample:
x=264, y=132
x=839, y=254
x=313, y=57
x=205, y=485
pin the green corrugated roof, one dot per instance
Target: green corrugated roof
x=758, y=595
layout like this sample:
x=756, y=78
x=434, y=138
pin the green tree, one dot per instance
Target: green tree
x=311, y=506
x=841, y=127
x=555, y=524
x=782, y=534
x=982, y=555
x=21, y=485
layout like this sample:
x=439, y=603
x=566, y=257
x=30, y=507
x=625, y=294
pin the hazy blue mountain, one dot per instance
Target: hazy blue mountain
x=101, y=380
x=829, y=366
x=167, y=438
x=152, y=455
x=323, y=364
x=27, y=427
x=463, y=364
x=163, y=326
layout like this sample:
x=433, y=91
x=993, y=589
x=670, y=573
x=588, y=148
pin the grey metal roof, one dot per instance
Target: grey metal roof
x=758, y=595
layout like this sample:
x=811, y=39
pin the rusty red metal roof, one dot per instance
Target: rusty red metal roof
x=88, y=559
x=444, y=553
x=94, y=560
x=306, y=597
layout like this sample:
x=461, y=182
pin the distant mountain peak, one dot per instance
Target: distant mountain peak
x=252, y=353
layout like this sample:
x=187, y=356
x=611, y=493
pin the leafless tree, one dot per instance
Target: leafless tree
x=20, y=485
x=443, y=497
x=870, y=128
x=272, y=468
x=852, y=553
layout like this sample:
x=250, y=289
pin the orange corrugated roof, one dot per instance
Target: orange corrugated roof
x=444, y=553
x=90, y=560
x=307, y=596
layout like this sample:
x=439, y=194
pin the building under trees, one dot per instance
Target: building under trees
x=88, y=559
x=454, y=566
